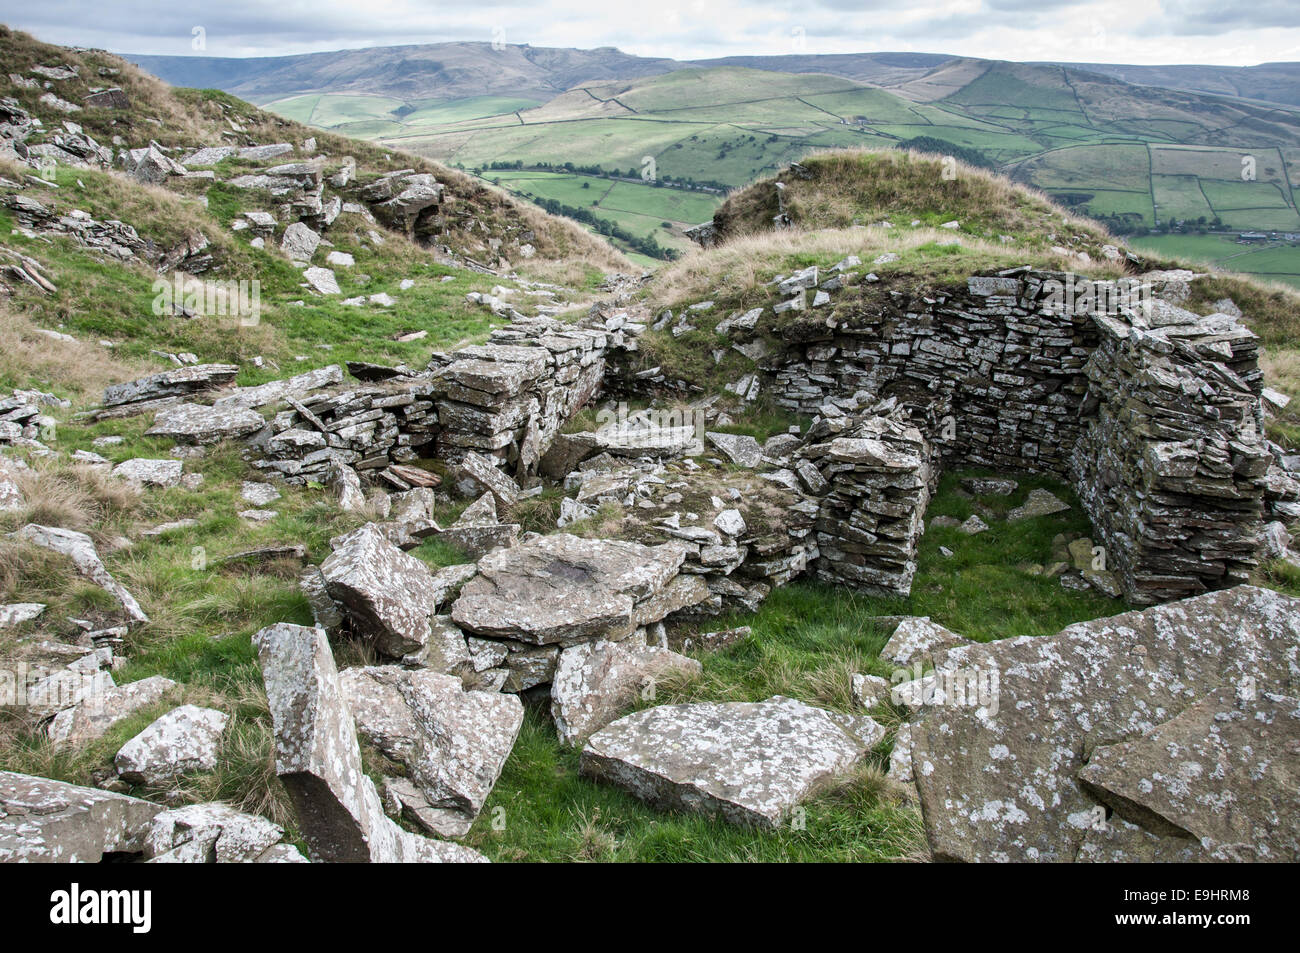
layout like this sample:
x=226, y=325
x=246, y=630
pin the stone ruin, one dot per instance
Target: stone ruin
x=1152, y=413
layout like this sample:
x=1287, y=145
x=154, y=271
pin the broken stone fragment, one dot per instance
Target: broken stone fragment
x=744, y=762
x=452, y=742
x=91, y=718
x=388, y=595
x=201, y=424
x=81, y=550
x=594, y=682
x=158, y=473
x=565, y=589
x=318, y=758
x=917, y=639
x=215, y=833
x=184, y=740
x=44, y=821
x=1039, y=503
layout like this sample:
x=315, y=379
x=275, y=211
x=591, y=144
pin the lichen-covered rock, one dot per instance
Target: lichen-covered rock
x=1183, y=708
x=215, y=833
x=52, y=822
x=185, y=739
x=91, y=718
x=388, y=595
x=145, y=472
x=917, y=639
x=745, y=762
x=566, y=589
x=595, y=681
x=199, y=423
x=81, y=550
x=318, y=759
x=176, y=383
x=453, y=742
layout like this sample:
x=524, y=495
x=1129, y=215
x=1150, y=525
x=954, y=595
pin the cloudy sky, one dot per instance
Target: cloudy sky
x=1114, y=31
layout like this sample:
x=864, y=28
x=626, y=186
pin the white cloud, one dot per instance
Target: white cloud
x=1135, y=31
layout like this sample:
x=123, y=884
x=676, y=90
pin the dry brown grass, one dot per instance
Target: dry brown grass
x=862, y=186
x=749, y=260
x=74, y=496
x=75, y=369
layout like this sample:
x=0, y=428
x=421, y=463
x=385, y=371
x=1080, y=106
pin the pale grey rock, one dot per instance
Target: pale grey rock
x=1039, y=503
x=299, y=242
x=1187, y=710
x=917, y=639
x=251, y=398
x=201, y=424
x=145, y=472
x=322, y=281
x=744, y=762
x=564, y=588
x=216, y=833
x=594, y=682
x=182, y=741
x=81, y=550
x=453, y=743
x=91, y=718
x=869, y=690
x=259, y=494
x=990, y=486
x=16, y=613
x=318, y=758
x=181, y=382
x=740, y=449
x=388, y=595
x=44, y=821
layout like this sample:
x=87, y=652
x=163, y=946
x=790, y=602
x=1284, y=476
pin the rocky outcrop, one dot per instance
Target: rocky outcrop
x=1161, y=734
x=744, y=762
x=81, y=550
x=318, y=759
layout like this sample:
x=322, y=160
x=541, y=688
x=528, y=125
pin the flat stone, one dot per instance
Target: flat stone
x=44, y=821
x=1183, y=707
x=201, y=424
x=16, y=613
x=322, y=281
x=184, y=740
x=1039, y=503
x=81, y=550
x=181, y=382
x=92, y=718
x=917, y=639
x=744, y=762
x=594, y=682
x=990, y=486
x=158, y=473
x=259, y=494
x=564, y=588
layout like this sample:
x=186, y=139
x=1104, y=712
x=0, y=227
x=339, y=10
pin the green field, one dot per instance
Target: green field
x=1277, y=261
x=1133, y=157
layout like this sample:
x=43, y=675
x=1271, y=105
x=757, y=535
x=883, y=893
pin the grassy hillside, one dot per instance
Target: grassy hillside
x=1137, y=158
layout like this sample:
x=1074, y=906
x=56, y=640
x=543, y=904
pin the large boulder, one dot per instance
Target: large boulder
x=566, y=589
x=744, y=762
x=389, y=595
x=1180, y=719
x=453, y=742
x=595, y=681
x=53, y=822
x=318, y=758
